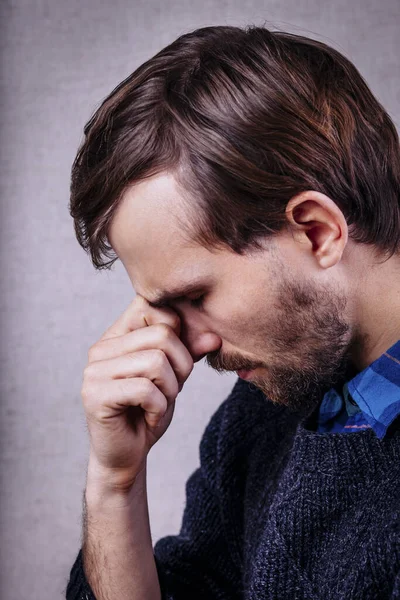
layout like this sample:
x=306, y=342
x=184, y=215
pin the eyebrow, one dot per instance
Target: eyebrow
x=161, y=299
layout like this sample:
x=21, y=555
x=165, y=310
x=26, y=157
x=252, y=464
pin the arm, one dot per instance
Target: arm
x=116, y=560
x=197, y=563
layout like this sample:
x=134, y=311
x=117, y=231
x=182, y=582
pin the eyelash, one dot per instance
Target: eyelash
x=197, y=302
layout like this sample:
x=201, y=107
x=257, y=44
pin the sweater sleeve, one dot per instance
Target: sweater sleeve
x=78, y=587
x=197, y=562
x=396, y=588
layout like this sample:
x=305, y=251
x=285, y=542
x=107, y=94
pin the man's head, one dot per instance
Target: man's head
x=261, y=165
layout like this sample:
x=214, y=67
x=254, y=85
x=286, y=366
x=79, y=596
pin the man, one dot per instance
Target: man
x=249, y=182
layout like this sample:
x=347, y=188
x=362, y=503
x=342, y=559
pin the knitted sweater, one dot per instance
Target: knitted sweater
x=279, y=511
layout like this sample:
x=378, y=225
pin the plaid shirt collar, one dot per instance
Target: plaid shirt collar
x=371, y=399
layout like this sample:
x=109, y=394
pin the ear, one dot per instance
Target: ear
x=314, y=219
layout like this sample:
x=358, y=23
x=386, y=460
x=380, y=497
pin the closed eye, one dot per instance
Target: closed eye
x=197, y=302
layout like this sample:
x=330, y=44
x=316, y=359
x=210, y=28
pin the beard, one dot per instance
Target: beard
x=310, y=342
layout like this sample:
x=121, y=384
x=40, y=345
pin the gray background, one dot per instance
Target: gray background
x=58, y=61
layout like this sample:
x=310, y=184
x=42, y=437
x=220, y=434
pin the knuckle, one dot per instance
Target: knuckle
x=92, y=352
x=165, y=331
x=141, y=305
x=176, y=390
x=122, y=386
x=128, y=389
x=139, y=301
x=88, y=392
x=132, y=357
x=158, y=359
x=175, y=320
x=189, y=367
x=146, y=387
x=161, y=405
x=89, y=371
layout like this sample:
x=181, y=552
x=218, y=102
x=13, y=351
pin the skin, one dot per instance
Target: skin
x=307, y=314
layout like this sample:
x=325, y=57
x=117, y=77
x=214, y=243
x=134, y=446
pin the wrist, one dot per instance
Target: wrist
x=112, y=486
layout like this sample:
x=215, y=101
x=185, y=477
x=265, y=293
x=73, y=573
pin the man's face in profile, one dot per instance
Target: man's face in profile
x=265, y=310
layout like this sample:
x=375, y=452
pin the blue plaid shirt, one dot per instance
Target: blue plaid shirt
x=371, y=399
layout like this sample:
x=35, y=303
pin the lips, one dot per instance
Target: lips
x=244, y=374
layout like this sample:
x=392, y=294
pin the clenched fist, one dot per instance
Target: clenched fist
x=133, y=376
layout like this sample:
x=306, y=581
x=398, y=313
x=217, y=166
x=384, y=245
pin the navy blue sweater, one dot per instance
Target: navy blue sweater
x=277, y=510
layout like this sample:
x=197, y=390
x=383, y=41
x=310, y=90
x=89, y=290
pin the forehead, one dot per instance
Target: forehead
x=147, y=235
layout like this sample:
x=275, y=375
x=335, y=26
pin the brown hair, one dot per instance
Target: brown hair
x=244, y=118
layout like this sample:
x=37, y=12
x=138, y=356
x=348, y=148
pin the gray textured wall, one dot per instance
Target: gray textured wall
x=59, y=59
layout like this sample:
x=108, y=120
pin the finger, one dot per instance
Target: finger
x=159, y=336
x=140, y=314
x=110, y=398
x=152, y=364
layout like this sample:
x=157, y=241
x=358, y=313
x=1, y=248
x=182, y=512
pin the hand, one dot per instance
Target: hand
x=133, y=376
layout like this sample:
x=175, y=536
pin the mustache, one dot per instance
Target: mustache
x=219, y=362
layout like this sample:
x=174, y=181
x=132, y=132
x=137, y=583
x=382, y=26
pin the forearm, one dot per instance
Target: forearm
x=117, y=549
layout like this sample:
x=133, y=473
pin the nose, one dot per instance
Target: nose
x=203, y=345
x=199, y=343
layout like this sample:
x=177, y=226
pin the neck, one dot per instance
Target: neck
x=377, y=309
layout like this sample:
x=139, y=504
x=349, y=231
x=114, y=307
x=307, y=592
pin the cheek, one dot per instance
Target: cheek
x=234, y=324
x=253, y=324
